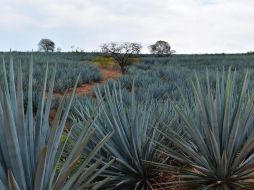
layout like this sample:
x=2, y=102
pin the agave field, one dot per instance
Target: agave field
x=182, y=122
x=68, y=68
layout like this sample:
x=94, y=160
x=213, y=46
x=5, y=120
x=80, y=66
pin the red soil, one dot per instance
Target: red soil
x=88, y=88
x=107, y=74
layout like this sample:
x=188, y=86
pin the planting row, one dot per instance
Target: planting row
x=202, y=140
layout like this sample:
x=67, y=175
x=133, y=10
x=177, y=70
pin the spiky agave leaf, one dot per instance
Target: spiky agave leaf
x=218, y=152
x=134, y=126
x=30, y=147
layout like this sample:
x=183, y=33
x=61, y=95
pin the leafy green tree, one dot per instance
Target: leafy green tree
x=161, y=48
x=46, y=45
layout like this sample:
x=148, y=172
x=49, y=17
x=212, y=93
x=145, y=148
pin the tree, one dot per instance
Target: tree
x=46, y=45
x=122, y=52
x=161, y=48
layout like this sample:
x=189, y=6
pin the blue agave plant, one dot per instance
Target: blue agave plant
x=31, y=146
x=217, y=150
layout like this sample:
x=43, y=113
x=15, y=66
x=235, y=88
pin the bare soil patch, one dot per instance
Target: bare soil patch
x=88, y=88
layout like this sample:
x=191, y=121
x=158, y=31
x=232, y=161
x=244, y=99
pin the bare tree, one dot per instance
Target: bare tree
x=122, y=52
x=161, y=48
x=46, y=45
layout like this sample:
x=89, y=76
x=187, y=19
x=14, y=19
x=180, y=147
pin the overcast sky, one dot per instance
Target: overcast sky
x=190, y=26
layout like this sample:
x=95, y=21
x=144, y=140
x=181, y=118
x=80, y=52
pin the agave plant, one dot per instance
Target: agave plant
x=218, y=150
x=134, y=127
x=31, y=145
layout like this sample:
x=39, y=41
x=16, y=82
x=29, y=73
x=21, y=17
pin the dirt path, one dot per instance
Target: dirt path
x=88, y=88
x=107, y=74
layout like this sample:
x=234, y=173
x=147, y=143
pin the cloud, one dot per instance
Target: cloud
x=191, y=26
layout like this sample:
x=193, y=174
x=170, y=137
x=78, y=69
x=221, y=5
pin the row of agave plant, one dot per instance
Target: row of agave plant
x=206, y=143
x=31, y=145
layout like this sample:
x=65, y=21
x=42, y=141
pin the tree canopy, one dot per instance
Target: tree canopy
x=46, y=45
x=161, y=48
x=122, y=52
